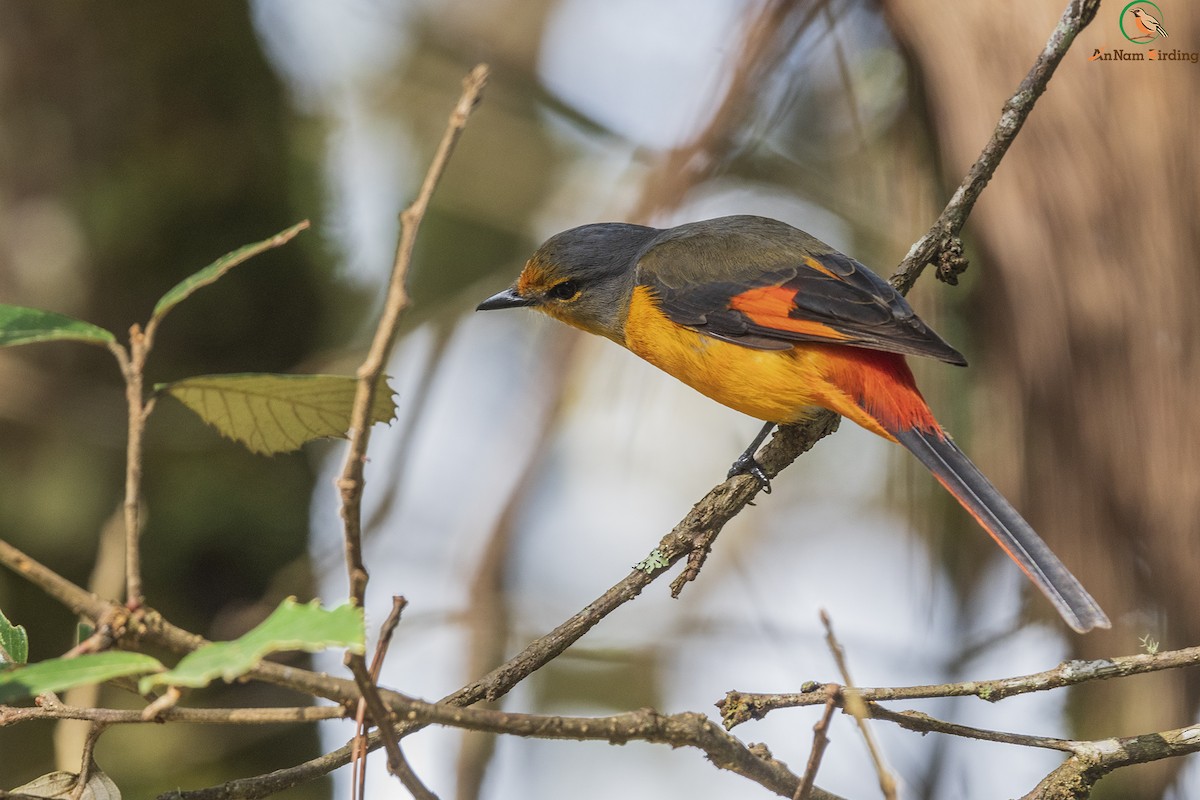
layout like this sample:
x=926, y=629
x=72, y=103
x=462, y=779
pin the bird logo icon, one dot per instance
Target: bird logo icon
x=1138, y=21
x=1148, y=24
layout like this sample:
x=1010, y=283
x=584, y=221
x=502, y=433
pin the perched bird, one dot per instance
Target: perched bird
x=1148, y=24
x=768, y=320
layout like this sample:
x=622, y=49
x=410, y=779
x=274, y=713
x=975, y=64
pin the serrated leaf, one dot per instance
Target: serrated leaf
x=182, y=290
x=277, y=413
x=14, y=643
x=21, y=325
x=292, y=626
x=55, y=785
x=63, y=673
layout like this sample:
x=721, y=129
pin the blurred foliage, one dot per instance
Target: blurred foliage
x=140, y=142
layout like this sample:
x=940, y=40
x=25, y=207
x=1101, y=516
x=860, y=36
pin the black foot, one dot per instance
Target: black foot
x=747, y=465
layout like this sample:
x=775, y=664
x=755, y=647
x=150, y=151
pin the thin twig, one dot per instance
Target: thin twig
x=374, y=706
x=371, y=700
x=738, y=707
x=402, y=769
x=1075, y=18
x=385, y=635
x=923, y=723
x=10, y=715
x=87, y=761
x=351, y=483
x=945, y=230
x=132, y=364
x=820, y=742
x=397, y=764
x=371, y=371
x=858, y=709
x=359, y=762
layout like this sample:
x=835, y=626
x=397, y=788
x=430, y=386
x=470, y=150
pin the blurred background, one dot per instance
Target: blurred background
x=530, y=468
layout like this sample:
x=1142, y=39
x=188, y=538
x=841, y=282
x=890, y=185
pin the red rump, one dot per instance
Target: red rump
x=882, y=385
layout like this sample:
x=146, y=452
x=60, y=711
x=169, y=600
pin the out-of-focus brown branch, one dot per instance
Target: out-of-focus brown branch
x=488, y=623
x=768, y=40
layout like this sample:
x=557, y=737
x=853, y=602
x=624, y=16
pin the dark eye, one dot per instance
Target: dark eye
x=563, y=291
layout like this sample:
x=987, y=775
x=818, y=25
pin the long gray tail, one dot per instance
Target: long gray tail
x=954, y=470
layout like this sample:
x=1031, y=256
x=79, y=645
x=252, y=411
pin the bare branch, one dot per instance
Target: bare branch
x=138, y=408
x=208, y=716
x=677, y=730
x=371, y=371
x=1074, y=779
x=855, y=706
x=1077, y=15
x=397, y=764
x=923, y=723
x=820, y=742
x=737, y=707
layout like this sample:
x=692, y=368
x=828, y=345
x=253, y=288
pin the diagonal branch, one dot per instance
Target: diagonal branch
x=929, y=247
x=371, y=371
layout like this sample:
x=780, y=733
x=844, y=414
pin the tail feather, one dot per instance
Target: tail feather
x=977, y=495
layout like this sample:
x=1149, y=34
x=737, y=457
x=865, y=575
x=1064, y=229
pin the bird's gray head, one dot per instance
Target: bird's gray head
x=583, y=277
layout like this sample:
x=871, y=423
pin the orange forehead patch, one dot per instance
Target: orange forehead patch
x=534, y=278
x=770, y=307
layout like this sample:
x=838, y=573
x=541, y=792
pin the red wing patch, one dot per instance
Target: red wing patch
x=770, y=307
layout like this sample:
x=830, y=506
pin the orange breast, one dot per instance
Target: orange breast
x=779, y=386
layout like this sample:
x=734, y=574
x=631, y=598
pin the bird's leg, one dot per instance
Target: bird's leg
x=746, y=464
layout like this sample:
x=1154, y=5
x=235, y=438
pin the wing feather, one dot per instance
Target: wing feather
x=765, y=285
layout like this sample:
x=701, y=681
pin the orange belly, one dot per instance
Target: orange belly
x=870, y=388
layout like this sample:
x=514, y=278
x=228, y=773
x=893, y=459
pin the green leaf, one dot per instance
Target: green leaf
x=56, y=785
x=292, y=626
x=182, y=290
x=21, y=325
x=63, y=673
x=14, y=643
x=277, y=413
